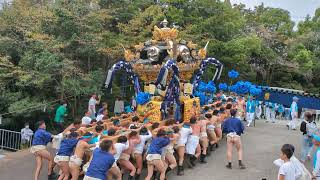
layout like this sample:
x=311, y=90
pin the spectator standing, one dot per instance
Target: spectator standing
x=94, y=100
x=250, y=110
x=280, y=110
x=59, y=117
x=26, y=134
x=287, y=169
x=259, y=109
x=306, y=130
x=118, y=106
x=294, y=113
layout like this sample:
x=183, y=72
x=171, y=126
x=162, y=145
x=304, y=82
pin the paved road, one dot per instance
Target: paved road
x=261, y=146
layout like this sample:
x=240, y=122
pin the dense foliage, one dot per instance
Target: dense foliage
x=50, y=50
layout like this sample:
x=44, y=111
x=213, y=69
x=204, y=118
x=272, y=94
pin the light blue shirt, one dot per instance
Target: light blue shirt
x=250, y=108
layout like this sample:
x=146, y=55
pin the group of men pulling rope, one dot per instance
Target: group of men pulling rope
x=108, y=148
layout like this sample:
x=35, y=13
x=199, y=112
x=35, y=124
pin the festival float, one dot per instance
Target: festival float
x=170, y=69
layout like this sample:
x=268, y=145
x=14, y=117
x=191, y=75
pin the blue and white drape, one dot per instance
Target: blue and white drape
x=131, y=75
x=173, y=89
x=203, y=66
x=164, y=71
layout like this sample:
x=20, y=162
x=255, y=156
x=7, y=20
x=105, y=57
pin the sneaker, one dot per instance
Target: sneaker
x=193, y=160
x=208, y=151
x=188, y=161
x=229, y=166
x=180, y=171
x=203, y=159
x=211, y=146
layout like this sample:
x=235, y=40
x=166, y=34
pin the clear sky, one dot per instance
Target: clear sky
x=298, y=8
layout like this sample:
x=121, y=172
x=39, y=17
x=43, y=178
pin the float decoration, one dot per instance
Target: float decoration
x=129, y=70
x=233, y=74
x=203, y=66
x=205, y=91
x=168, y=64
x=246, y=87
x=143, y=98
x=223, y=86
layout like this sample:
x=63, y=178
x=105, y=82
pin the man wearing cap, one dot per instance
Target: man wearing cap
x=294, y=113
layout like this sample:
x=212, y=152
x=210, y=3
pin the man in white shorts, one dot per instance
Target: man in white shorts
x=233, y=127
x=185, y=132
x=193, y=149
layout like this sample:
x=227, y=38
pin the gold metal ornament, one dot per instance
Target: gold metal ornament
x=163, y=34
x=139, y=46
x=128, y=55
x=191, y=45
x=203, y=52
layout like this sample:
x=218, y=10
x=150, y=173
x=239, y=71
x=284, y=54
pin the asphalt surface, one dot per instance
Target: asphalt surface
x=261, y=146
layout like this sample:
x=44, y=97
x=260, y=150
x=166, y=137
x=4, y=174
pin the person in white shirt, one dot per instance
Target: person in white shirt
x=118, y=106
x=294, y=113
x=94, y=100
x=301, y=173
x=102, y=116
x=145, y=135
x=259, y=110
x=86, y=119
x=287, y=169
x=267, y=112
x=121, y=145
x=26, y=134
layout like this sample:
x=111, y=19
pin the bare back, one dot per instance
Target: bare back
x=196, y=129
x=203, y=125
x=81, y=148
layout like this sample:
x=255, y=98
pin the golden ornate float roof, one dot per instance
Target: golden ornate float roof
x=164, y=39
x=163, y=34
